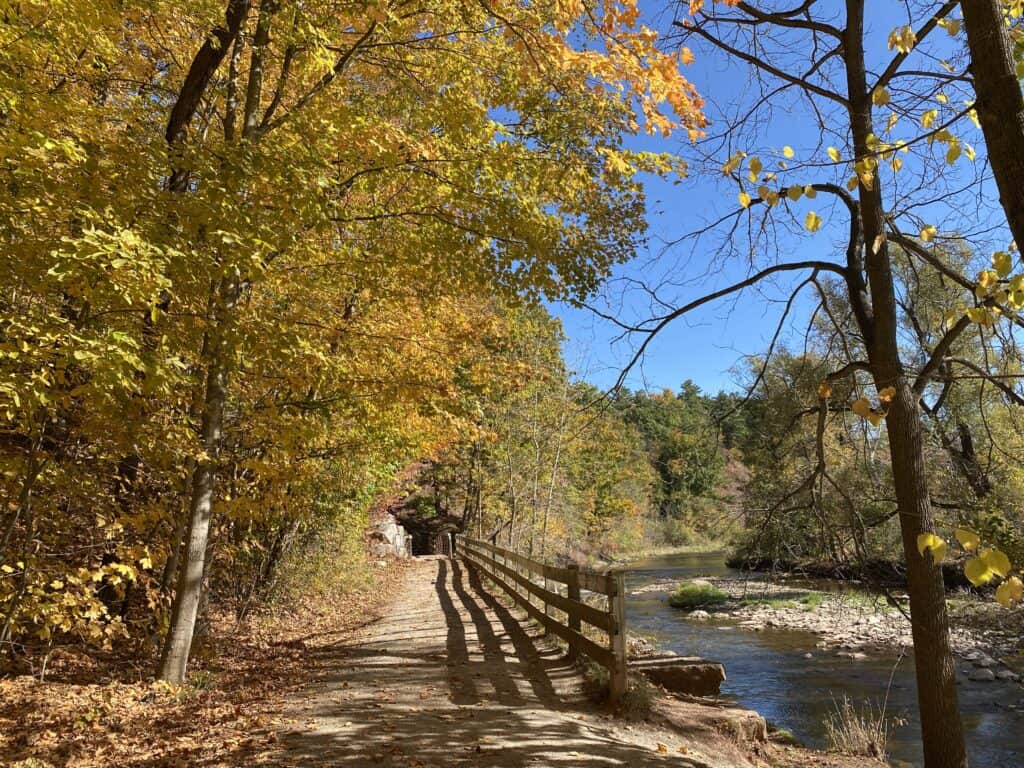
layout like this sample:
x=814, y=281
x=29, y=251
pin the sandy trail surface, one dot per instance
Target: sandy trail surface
x=449, y=677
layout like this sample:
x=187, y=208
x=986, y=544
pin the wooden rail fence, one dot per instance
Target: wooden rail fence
x=517, y=576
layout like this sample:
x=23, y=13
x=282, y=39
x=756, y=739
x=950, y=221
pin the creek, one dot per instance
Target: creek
x=767, y=671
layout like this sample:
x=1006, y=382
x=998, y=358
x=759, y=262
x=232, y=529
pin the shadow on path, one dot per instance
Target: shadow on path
x=449, y=677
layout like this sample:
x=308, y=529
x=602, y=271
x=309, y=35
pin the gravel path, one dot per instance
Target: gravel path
x=449, y=677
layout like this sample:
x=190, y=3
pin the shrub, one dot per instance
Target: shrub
x=693, y=595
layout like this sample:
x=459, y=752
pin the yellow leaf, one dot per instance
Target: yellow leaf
x=861, y=407
x=812, y=221
x=787, y=151
x=968, y=539
x=1002, y=262
x=886, y=395
x=794, y=192
x=880, y=97
x=1010, y=591
x=953, y=153
x=977, y=572
x=755, y=166
x=928, y=233
x=852, y=183
x=744, y=199
x=996, y=561
x=833, y=153
x=810, y=192
x=824, y=390
x=732, y=163
x=662, y=748
x=987, y=280
x=875, y=418
x=928, y=118
x=902, y=39
x=980, y=315
x=930, y=542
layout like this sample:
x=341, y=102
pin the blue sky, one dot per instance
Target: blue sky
x=710, y=346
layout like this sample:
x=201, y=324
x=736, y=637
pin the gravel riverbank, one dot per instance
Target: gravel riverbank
x=987, y=639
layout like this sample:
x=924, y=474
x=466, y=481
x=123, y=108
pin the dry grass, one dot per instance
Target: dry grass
x=854, y=731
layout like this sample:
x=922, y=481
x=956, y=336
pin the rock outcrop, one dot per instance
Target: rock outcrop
x=681, y=674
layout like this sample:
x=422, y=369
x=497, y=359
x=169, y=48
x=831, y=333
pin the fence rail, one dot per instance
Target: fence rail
x=515, y=573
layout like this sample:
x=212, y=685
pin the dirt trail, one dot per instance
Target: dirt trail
x=449, y=677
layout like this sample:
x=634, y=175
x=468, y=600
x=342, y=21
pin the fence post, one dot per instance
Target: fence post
x=573, y=593
x=617, y=683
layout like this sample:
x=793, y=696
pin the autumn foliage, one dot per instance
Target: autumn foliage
x=252, y=251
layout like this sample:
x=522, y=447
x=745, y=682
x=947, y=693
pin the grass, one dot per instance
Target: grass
x=782, y=735
x=853, y=731
x=693, y=595
x=808, y=602
x=640, y=693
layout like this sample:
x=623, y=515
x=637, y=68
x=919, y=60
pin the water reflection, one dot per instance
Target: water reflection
x=768, y=672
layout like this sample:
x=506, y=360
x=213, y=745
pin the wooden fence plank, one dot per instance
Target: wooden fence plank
x=581, y=643
x=590, y=614
x=512, y=573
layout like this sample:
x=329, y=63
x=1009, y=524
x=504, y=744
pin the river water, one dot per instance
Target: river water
x=767, y=672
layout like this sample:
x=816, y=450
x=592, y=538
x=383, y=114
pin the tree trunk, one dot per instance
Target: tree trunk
x=1000, y=105
x=185, y=608
x=941, y=728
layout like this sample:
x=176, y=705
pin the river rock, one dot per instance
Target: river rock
x=984, y=661
x=700, y=615
x=855, y=655
x=682, y=675
x=639, y=646
x=1006, y=674
x=982, y=675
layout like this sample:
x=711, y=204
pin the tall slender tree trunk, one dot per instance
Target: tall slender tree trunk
x=188, y=593
x=1000, y=105
x=941, y=728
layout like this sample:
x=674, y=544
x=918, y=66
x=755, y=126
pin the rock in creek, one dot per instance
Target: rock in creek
x=982, y=675
x=695, y=677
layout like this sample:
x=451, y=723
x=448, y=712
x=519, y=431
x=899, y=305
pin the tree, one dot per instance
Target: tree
x=250, y=236
x=1000, y=105
x=539, y=470
x=829, y=60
